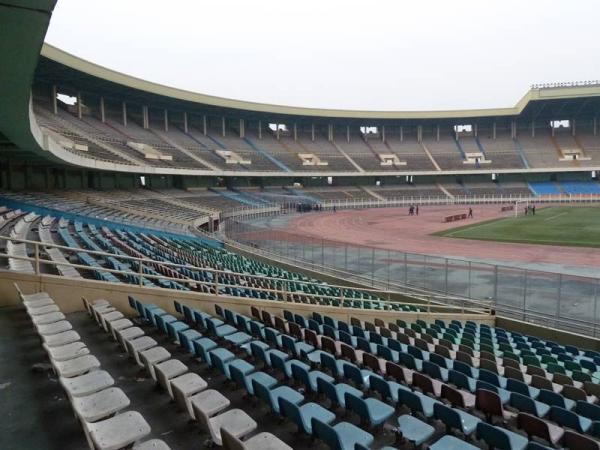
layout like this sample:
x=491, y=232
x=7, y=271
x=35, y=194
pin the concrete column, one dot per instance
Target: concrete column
x=166, y=121
x=242, y=129
x=573, y=127
x=552, y=128
x=260, y=129
x=330, y=132
x=494, y=130
x=54, y=93
x=204, y=125
x=401, y=134
x=124, y=114
x=185, y=122
x=437, y=133
x=145, y=120
x=475, y=130
x=533, y=128
x=595, y=125
x=312, y=132
x=223, y=126
x=348, y=133
x=295, y=132
x=102, y=111
x=420, y=133
x=277, y=130
x=79, y=109
x=383, y=133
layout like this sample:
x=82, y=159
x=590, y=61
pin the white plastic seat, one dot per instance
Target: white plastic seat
x=110, y=317
x=153, y=444
x=119, y=431
x=154, y=356
x=43, y=310
x=169, y=369
x=210, y=402
x=69, y=351
x=236, y=421
x=128, y=334
x=101, y=404
x=262, y=441
x=135, y=346
x=38, y=296
x=118, y=325
x=76, y=366
x=184, y=386
x=87, y=384
x=54, y=328
x=45, y=319
x=56, y=340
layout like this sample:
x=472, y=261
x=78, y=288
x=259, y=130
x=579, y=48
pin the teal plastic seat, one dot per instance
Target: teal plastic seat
x=238, y=338
x=451, y=443
x=271, y=395
x=336, y=393
x=528, y=405
x=246, y=380
x=186, y=337
x=418, y=402
x=219, y=328
x=219, y=356
x=389, y=390
x=414, y=430
x=302, y=415
x=569, y=419
x=455, y=419
x=173, y=329
x=202, y=346
x=301, y=373
x=342, y=436
x=370, y=410
x=500, y=438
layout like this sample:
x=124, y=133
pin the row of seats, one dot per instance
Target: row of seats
x=188, y=389
x=97, y=404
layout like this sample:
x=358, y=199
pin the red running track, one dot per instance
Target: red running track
x=394, y=229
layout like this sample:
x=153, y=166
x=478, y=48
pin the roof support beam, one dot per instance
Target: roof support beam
x=295, y=132
x=79, y=109
x=383, y=133
x=124, y=114
x=223, y=123
x=102, y=111
x=312, y=132
x=166, y=121
x=204, y=130
x=185, y=122
x=145, y=121
x=54, y=101
x=494, y=130
x=242, y=129
x=260, y=129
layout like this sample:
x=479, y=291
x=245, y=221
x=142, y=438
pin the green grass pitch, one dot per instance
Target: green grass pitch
x=570, y=226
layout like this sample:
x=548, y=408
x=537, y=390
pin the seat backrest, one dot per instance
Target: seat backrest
x=291, y=411
x=565, y=418
x=277, y=362
x=263, y=392
x=410, y=399
x=551, y=398
x=328, y=344
x=576, y=441
x=295, y=330
x=356, y=404
x=300, y=373
x=381, y=386
x=326, y=433
x=453, y=396
x=204, y=421
x=488, y=402
x=589, y=410
x=230, y=442
x=489, y=377
x=541, y=382
x=513, y=373
x=371, y=361
x=348, y=352
x=395, y=371
x=288, y=343
x=494, y=437
x=535, y=370
x=517, y=386
x=438, y=360
x=533, y=426
x=353, y=373
x=573, y=393
x=432, y=369
x=522, y=403
x=423, y=382
x=458, y=379
x=448, y=416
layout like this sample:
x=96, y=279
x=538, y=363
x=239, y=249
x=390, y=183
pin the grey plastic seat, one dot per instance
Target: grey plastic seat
x=167, y=370
x=69, y=351
x=128, y=334
x=54, y=328
x=153, y=356
x=184, y=387
x=262, y=441
x=152, y=444
x=45, y=319
x=87, y=384
x=135, y=346
x=210, y=402
x=101, y=404
x=118, y=431
x=236, y=421
x=76, y=366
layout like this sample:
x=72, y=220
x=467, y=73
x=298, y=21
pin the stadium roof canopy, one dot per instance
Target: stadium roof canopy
x=28, y=62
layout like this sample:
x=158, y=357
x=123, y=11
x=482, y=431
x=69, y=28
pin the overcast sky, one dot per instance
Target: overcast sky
x=378, y=55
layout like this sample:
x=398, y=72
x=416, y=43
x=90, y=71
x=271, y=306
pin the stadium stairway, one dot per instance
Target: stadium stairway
x=266, y=154
x=521, y=153
x=480, y=146
x=459, y=147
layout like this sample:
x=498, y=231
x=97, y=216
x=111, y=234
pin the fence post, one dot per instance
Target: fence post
x=37, y=258
x=141, y=272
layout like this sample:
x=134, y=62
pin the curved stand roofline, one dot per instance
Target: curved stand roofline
x=60, y=56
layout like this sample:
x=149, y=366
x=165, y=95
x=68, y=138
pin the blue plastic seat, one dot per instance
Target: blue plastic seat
x=554, y=399
x=219, y=328
x=418, y=402
x=414, y=430
x=271, y=395
x=245, y=379
x=411, y=362
x=173, y=329
x=569, y=419
x=522, y=388
x=451, y=443
x=163, y=320
x=186, y=337
x=387, y=353
x=336, y=393
x=219, y=356
x=492, y=378
x=435, y=371
x=500, y=438
x=202, y=346
x=589, y=410
x=302, y=415
x=336, y=366
x=387, y=389
x=342, y=436
x=238, y=338
x=455, y=419
x=462, y=381
x=301, y=373
x=526, y=404
x=296, y=348
x=370, y=410
x=200, y=317
x=359, y=376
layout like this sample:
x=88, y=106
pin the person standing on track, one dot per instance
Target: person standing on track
x=470, y=216
x=417, y=210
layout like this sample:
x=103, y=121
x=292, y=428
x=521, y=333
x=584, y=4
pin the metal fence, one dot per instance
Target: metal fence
x=563, y=301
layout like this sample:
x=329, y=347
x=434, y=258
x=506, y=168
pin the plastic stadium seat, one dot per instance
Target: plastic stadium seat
x=388, y=390
x=336, y=393
x=414, y=430
x=569, y=419
x=490, y=404
x=370, y=410
x=418, y=402
x=342, y=436
x=236, y=421
x=576, y=441
x=458, y=398
x=451, y=443
x=455, y=419
x=261, y=441
x=302, y=415
x=500, y=438
x=271, y=395
x=526, y=404
x=308, y=378
x=535, y=426
x=553, y=399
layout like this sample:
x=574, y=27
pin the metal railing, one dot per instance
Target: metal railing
x=282, y=289
x=559, y=300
